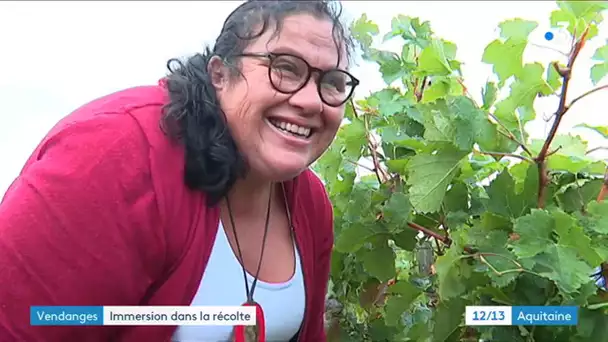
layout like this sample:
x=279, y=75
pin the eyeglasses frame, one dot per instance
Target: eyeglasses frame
x=273, y=56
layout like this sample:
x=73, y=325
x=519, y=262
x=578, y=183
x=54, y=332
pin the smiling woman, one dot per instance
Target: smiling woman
x=195, y=191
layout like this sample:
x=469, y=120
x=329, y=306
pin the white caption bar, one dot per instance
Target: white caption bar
x=179, y=315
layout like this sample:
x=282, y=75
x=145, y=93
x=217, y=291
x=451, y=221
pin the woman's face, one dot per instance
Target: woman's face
x=259, y=116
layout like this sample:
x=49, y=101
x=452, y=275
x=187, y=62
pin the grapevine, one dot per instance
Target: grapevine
x=442, y=202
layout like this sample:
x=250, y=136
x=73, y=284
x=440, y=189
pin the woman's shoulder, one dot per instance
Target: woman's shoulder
x=123, y=126
x=113, y=139
x=123, y=112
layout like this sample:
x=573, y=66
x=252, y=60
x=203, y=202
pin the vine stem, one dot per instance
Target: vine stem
x=359, y=165
x=438, y=237
x=499, y=273
x=381, y=174
x=595, y=149
x=501, y=154
x=562, y=108
x=604, y=190
x=420, y=93
x=446, y=240
x=600, y=197
x=510, y=135
x=588, y=93
x=519, y=269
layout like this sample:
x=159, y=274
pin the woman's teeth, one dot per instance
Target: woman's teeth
x=291, y=128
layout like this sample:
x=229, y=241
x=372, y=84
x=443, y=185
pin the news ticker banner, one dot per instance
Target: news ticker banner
x=243, y=315
x=142, y=315
x=521, y=315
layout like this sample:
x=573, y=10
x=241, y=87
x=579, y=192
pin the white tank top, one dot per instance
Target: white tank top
x=222, y=285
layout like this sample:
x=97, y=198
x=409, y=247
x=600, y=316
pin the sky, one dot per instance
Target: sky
x=56, y=56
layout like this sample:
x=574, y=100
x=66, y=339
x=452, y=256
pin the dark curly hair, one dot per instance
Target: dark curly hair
x=193, y=114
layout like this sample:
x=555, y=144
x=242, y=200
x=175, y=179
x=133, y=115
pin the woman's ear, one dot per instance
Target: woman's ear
x=217, y=72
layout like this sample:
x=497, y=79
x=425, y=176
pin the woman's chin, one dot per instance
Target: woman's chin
x=280, y=170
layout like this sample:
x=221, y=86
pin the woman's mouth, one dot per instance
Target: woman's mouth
x=292, y=129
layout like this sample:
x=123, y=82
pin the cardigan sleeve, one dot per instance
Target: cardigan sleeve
x=77, y=228
x=325, y=241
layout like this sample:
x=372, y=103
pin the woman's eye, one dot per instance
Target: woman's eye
x=287, y=67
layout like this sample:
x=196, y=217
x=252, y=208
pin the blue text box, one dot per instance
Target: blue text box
x=545, y=315
x=66, y=315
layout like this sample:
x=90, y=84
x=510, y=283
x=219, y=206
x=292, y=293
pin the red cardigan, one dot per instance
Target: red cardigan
x=100, y=216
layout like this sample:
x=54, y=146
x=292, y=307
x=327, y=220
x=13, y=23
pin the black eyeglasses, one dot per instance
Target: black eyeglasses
x=288, y=74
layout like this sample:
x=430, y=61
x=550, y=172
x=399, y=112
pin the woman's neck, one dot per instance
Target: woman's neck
x=249, y=196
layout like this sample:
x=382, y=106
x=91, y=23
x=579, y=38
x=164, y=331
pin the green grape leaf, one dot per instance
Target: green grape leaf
x=583, y=9
x=448, y=317
x=406, y=239
x=456, y=198
x=578, y=16
x=518, y=108
x=599, y=70
x=422, y=30
x=505, y=58
x=562, y=265
x=387, y=102
x=598, y=217
x=397, y=209
x=502, y=198
x=575, y=197
x=535, y=233
x=438, y=124
x=402, y=295
x=560, y=16
x=592, y=325
x=554, y=80
x=364, y=30
x=471, y=124
x=394, y=310
x=391, y=66
x=459, y=122
x=601, y=130
x=519, y=172
x=449, y=269
x=517, y=28
x=429, y=177
x=378, y=330
x=433, y=60
x=570, y=153
x=400, y=24
x=405, y=289
x=379, y=262
x=410, y=29
x=511, y=334
x=359, y=204
x=350, y=239
x=439, y=89
x=572, y=236
x=489, y=94
x=506, y=54
x=352, y=137
x=490, y=236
